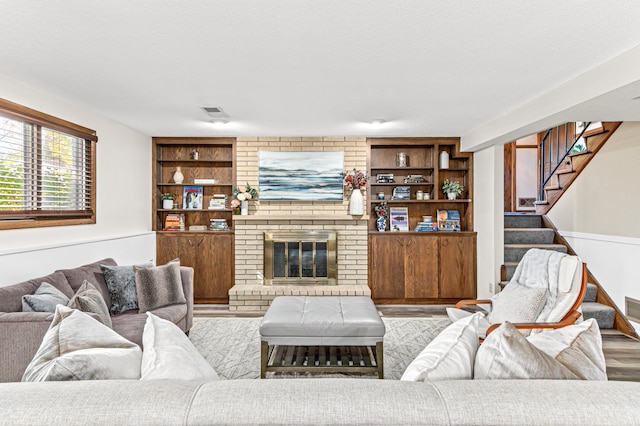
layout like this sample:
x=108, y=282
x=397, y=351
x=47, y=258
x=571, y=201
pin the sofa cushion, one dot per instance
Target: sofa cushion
x=89, y=299
x=130, y=324
x=577, y=347
x=169, y=354
x=450, y=356
x=121, y=283
x=159, y=286
x=11, y=295
x=92, y=273
x=517, y=303
x=45, y=299
x=77, y=347
x=573, y=352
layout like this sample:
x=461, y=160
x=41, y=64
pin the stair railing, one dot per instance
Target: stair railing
x=554, y=146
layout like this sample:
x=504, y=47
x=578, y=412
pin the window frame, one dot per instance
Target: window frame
x=19, y=112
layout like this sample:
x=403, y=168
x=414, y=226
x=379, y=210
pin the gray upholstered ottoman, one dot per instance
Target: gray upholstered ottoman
x=322, y=334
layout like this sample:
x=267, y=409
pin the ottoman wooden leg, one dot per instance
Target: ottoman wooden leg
x=380, y=360
x=264, y=358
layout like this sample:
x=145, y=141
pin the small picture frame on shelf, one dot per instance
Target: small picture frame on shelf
x=398, y=219
x=192, y=197
x=448, y=220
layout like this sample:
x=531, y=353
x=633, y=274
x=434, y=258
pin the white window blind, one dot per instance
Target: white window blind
x=46, y=170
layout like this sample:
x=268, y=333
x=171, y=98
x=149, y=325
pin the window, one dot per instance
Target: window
x=47, y=170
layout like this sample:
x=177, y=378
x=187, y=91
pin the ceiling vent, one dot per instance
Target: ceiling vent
x=215, y=112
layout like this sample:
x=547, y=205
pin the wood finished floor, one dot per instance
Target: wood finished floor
x=622, y=353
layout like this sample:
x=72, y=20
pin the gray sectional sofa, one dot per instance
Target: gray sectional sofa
x=21, y=332
x=339, y=401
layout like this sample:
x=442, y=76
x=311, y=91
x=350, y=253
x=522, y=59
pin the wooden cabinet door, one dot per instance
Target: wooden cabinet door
x=421, y=267
x=214, y=275
x=457, y=266
x=386, y=266
x=175, y=246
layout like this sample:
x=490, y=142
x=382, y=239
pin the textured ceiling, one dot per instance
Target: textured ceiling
x=307, y=68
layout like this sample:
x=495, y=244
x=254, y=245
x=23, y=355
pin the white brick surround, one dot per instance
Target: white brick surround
x=249, y=293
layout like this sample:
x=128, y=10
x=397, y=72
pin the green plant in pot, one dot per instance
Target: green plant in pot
x=167, y=200
x=452, y=188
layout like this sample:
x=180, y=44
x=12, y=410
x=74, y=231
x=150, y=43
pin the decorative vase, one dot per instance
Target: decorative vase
x=167, y=204
x=356, y=203
x=178, y=177
x=444, y=160
x=451, y=195
x=244, y=208
x=381, y=224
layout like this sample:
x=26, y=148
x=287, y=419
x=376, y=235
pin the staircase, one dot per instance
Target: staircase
x=526, y=231
x=561, y=162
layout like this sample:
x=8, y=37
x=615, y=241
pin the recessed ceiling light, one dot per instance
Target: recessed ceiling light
x=218, y=122
x=377, y=122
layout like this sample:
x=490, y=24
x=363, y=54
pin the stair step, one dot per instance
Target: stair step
x=603, y=314
x=522, y=220
x=510, y=268
x=529, y=236
x=515, y=252
x=590, y=294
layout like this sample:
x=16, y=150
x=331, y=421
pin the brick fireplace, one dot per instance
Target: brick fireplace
x=250, y=292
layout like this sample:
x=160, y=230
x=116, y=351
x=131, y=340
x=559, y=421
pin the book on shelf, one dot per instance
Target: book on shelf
x=218, y=225
x=398, y=219
x=203, y=181
x=174, y=222
x=218, y=202
x=448, y=220
x=197, y=227
x=401, y=193
x=192, y=197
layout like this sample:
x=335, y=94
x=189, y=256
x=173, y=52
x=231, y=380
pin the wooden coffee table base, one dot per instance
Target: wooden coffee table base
x=322, y=359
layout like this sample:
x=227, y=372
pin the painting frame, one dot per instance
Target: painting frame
x=301, y=175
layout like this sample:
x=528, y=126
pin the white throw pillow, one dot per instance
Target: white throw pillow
x=169, y=354
x=573, y=352
x=506, y=354
x=450, y=356
x=77, y=347
x=517, y=303
x=577, y=347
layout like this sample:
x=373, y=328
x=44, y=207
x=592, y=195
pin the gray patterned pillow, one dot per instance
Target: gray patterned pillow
x=89, y=299
x=159, y=286
x=45, y=299
x=122, y=287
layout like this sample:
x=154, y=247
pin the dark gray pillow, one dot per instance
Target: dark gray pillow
x=89, y=299
x=45, y=299
x=159, y=286
x=121, y=283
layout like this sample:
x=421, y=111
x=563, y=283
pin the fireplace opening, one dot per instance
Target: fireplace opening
x=299, y=258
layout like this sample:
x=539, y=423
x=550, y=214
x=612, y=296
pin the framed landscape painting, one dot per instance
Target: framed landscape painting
x=300, y=176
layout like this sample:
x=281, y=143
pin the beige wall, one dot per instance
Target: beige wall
x=598, y=215
x=605, y=199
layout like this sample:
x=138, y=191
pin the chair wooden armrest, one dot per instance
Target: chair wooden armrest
x=571, y=318
x=462, y=303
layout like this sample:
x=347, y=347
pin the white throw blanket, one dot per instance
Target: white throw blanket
x=540, y=269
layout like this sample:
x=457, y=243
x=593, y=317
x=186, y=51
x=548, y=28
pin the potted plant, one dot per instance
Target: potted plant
x=452, y=188
x=167, y=200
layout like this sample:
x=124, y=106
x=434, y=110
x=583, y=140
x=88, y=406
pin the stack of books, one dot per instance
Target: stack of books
x=218, y=202
x=426, y=225
x=218, y=225
x=174, y=222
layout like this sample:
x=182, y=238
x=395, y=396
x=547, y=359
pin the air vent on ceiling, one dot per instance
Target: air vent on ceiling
x=215, y=112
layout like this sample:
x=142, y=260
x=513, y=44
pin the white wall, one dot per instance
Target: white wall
x=123, y=197
x=598, y=214
x=488, y=208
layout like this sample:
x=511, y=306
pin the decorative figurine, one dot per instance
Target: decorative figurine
x=381, y=212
